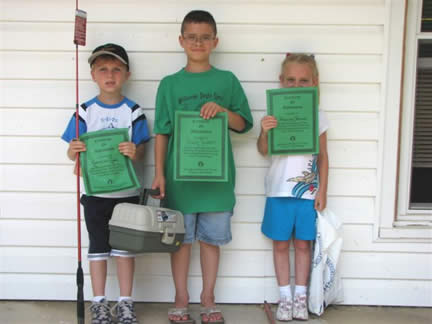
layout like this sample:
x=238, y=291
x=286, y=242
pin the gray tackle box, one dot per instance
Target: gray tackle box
x=141, y=228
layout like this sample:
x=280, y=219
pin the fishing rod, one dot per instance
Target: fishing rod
x=79, y=39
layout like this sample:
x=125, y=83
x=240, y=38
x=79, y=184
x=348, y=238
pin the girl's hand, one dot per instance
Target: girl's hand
x=128, y=149
x=267, y=123
x=320, y=201
x=210, y=109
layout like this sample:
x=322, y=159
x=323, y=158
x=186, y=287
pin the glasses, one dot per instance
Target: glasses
x=192, y=38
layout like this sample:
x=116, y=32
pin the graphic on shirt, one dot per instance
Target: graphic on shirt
x=199, y=99
x=109, y=122
x=307, y=182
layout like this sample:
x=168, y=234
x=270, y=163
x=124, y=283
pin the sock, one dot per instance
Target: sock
x=285, y=292
x=98, y=299
x=121, y=298
x=300, y=290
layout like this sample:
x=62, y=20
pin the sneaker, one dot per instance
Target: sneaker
x=101, y=312
x=124, y=312
x=300, y=311
x=284, y=311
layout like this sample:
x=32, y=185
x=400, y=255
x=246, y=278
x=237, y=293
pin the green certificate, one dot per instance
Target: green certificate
x=296, y=110
x=200, y=147
x=105, y=169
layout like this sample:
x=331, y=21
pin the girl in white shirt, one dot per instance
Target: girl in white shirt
x=296, y=187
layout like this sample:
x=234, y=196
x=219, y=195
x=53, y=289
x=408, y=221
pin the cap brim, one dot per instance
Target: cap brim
x=99, y=53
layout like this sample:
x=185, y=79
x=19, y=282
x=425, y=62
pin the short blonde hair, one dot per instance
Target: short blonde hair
x=302, y=58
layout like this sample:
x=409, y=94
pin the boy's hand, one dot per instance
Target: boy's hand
x=210, y=109
x=75, y=146
x=267, y=123
x=320, y=201
x=159, y=183
x=128, y=149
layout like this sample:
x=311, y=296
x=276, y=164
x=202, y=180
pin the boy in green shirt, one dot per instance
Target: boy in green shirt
x=207, y=206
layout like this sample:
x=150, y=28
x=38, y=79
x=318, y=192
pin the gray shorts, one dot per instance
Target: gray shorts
x=213, y=228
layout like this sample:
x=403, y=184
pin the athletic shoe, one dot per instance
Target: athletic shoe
x=124, y=312
x=101, y=312
x=284, y=311
x=300, y=311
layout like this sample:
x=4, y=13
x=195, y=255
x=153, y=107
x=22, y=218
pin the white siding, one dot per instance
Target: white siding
x=37, y=201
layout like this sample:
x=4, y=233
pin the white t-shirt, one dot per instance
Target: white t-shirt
x=94, y=115
x=295, y=175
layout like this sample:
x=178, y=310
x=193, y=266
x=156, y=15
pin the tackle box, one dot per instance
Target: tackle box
x=141, y=228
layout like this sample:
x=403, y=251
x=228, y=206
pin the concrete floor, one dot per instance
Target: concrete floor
x=31, y=312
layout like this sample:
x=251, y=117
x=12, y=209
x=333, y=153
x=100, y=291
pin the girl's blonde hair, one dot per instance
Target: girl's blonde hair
x=302, y=58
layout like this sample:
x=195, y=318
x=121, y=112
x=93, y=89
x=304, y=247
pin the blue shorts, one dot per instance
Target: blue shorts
x=285, y=216
x=212, y=228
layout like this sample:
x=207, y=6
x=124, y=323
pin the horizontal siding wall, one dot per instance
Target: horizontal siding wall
x=37, y=98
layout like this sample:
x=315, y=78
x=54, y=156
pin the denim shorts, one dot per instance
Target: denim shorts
x=287, y=216
x=212, y=228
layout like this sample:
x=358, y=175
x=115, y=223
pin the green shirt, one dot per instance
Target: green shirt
x=190, y=91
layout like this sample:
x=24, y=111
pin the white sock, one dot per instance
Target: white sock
x=121, y=298
x=300, y=290
x=98, y=299
x=285, y=292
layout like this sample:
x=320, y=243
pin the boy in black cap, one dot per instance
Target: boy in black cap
x=110, y=109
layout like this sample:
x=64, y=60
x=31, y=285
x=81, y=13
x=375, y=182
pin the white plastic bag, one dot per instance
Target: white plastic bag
x=325, y=285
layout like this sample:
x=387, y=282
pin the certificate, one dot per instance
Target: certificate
x=200, y=147
x=296, y=111
x=105, y=169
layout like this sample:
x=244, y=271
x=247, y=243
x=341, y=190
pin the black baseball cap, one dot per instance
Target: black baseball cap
x=110, y=49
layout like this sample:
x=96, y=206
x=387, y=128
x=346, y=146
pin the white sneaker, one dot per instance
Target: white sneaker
x=300, y=311
x=284, y=311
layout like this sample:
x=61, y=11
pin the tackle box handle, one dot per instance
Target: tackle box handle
x=146, y=192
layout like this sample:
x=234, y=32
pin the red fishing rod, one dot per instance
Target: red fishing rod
x=79, y=39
